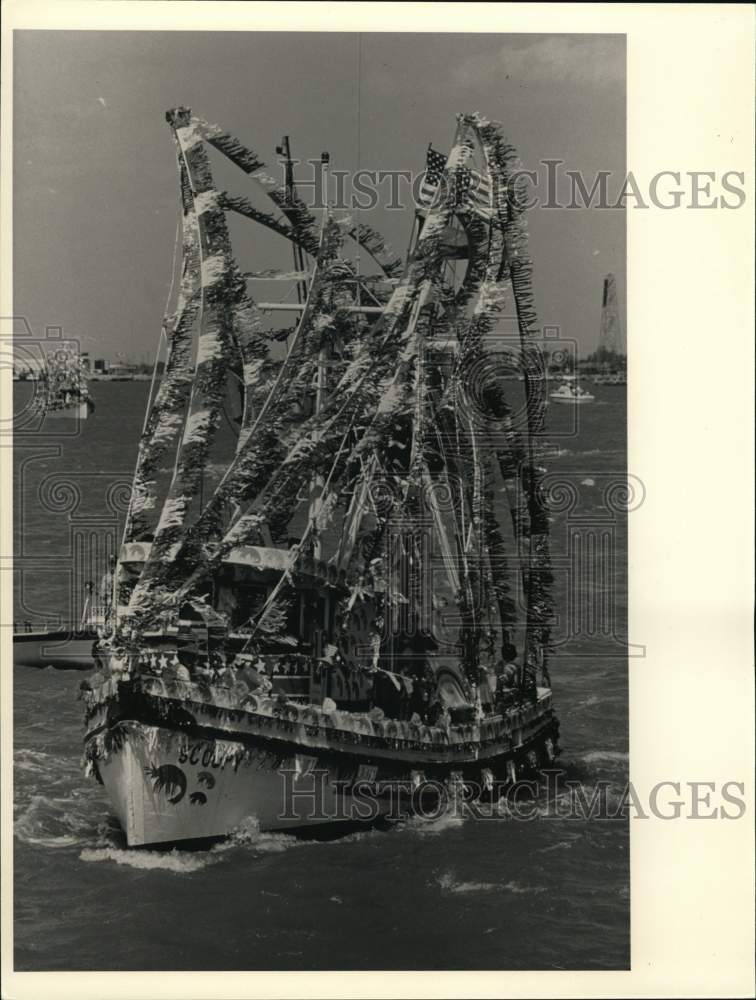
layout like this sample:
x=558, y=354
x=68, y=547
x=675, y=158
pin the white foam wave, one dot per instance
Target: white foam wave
x=248, y=834
x=590, y=702
x=425, y=826
x=173, y=861
x=605, y=756
x=520, y=890
x=449, y=884
x=561, y=845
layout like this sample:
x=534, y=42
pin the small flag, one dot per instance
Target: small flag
x=472, y=192
x=435, y=163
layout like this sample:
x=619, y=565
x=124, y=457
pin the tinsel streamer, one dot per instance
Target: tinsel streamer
x=243, y=206
x=166, y=414
x=538, y=589
x=381, y=252
x=262, y=439
x=303, y=223
x=378, y=380
x=406, y=500
x=362, y=394
x=383, y=355
x=410, y=374
x=222, y=286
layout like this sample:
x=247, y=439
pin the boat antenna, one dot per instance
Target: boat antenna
x=359, y=160
x=284, y=150
x=325, y=160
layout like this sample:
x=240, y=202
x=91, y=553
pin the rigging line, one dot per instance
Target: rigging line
x=315, y=433
x=344, y=407
x=445, y=460
x=161, y=338
x=359, y=155
x=303, y=322
x=162, y=334
x=201, y=317
x=199, y=324
x=298, y=547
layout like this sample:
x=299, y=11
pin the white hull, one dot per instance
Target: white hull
x=79, y=411
x=192, y=763
x=61, y=650
x=215, y=787
x=571, y=400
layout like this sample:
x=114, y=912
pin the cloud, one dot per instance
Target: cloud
x=103, y=102
x=578, y=59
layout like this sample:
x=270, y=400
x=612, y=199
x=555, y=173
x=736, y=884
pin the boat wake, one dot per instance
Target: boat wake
x=178, y=862
x=249, y=836
x=433, y=827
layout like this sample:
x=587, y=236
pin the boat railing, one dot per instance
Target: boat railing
x=68, y=627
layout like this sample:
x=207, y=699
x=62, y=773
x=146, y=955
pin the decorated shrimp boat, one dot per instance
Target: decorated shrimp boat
x=336, y=591
x=61, y=390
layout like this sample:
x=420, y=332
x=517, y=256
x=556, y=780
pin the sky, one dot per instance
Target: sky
x=95, y=183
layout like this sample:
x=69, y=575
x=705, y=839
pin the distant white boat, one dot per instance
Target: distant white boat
x=64, y=648
x=570, y=392
x=77, y=409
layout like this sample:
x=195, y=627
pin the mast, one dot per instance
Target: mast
x=375, y=384
x=324, y=353
x=284, y=150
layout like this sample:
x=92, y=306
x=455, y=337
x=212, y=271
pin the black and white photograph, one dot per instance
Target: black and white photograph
x=321, y=363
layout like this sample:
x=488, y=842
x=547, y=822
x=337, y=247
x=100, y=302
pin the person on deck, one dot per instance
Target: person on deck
x=505, y=688
x=420, y=700
x=88, y=612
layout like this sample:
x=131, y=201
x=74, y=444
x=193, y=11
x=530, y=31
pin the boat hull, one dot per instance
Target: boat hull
x=168, y=791
x=571, y=401
x=63, y=650
x=179, y=770
x=80, y=411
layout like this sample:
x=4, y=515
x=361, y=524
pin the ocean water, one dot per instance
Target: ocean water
x=457, y=892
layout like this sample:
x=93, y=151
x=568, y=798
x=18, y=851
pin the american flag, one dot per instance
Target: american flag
x=472, y=192
x=434, y=171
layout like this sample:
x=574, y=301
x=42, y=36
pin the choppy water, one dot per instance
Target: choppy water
x=454, y=893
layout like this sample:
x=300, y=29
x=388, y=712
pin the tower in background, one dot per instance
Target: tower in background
x=612, y=337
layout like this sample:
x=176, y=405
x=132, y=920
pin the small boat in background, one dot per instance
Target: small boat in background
x=62, y=387
x=75, y=409
x=570, y=392
x=59, y=646
x=64, y=645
